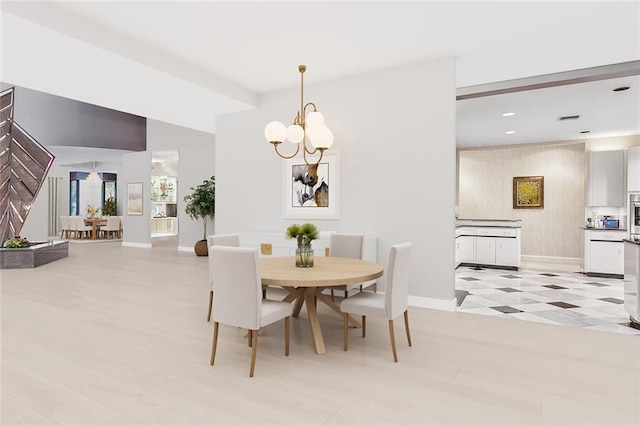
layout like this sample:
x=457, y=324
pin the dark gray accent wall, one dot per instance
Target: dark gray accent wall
x=55, y=120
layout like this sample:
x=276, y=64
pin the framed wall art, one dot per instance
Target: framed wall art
x=528, y=192
x=134, y=199
x=311, y=191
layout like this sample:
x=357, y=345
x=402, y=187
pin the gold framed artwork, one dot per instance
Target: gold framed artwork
x=134, y=198
x=528, y=192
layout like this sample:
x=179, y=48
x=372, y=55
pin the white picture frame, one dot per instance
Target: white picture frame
x=303, y=185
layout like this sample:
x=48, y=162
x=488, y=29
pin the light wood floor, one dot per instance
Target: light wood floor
x=115, y=335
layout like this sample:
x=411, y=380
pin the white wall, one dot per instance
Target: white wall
x=395, y=133
x=136, y=168
x=486, y=192
x=35, y=227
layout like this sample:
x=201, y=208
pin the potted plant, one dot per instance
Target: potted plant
x=17, y=242
x=110, y=207
x=201, y=204
x=303, y=234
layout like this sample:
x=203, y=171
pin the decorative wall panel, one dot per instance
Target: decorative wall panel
x=24, y=164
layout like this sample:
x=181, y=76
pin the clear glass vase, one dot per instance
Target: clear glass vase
x=304, y=257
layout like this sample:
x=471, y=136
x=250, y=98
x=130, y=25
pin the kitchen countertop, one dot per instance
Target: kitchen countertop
x=636, y=242
x=602, y=229
x=494, y=223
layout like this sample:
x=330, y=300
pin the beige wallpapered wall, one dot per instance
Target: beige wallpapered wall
x=485, y=192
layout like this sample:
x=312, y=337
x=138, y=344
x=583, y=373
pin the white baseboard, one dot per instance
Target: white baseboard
x=551, y=259
x=185, y=248
x=137, y=245
x=431, y=303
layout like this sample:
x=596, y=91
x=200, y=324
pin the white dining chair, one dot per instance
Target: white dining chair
x=347, y=245
x=112, y=228
x=81, y=228
x=65, y=230
x=390, y=305
x=229, y=240
x=239, y=302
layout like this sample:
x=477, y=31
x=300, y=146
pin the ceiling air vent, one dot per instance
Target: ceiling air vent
x=568, y=117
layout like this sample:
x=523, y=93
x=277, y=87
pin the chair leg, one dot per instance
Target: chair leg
x=345, y=332
x=332, y=298
x=364, y=326
x=393, y=341
x=286, y=335
x=406, y=326
x=254, y=350
x=214, y=345
x=210, y=305
x=375, y=287
x=249, y=338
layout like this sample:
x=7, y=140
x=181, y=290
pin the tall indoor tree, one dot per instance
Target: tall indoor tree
x=201, y=204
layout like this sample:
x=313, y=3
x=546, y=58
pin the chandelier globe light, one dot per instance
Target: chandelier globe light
x=307, y=131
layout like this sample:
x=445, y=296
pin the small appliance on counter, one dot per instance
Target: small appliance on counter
x=611, y=223
x=589, y=223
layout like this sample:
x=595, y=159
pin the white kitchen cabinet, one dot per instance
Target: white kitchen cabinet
x=605, y=186
x=465, y=245
x=488, y=246
x=507, y=252
x=603, y=252
x=633, y=169
x=165, y=225
x=466, y=249
x=607, y=257
x=486, y=250
x=496, y=251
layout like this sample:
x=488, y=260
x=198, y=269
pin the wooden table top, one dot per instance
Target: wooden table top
x=326, y=272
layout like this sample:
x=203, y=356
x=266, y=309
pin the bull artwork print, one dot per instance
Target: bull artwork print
x=311, y=191
x=310, y=185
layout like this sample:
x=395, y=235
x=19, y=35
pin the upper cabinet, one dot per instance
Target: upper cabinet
x=606, y=179
x=633, y=169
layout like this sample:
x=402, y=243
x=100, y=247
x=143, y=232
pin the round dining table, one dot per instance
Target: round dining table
x=305, y=285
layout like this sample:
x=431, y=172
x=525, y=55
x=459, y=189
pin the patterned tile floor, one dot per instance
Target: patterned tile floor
x=563, y=298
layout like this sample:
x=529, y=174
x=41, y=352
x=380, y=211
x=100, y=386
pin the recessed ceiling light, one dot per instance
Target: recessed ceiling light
x=509, y=132
x=508, y=114
x=621, y=88
x=585, y=131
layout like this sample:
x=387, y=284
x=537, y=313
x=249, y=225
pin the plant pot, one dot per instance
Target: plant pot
x=200, y=248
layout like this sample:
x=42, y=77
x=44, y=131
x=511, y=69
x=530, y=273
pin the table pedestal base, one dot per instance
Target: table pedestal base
x=308, y=296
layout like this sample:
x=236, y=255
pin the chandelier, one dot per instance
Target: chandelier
x=307, y=130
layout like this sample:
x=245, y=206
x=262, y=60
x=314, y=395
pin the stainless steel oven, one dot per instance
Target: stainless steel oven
x=634, y=214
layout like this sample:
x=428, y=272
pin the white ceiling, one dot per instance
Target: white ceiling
x=243, y=49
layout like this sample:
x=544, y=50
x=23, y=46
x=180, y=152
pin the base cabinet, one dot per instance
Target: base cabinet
x=164, y=225
x=488, y=246
x=607, y=257
x=486, y=250
x=465, y=249
x=603, y=252
x=507, y=252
